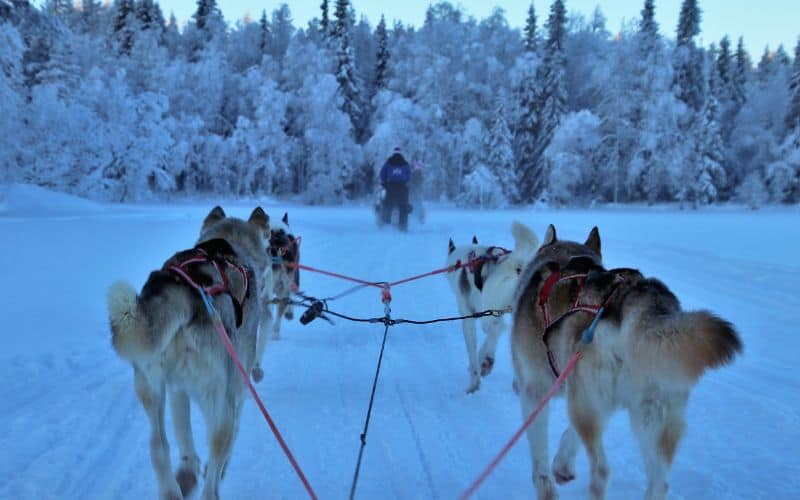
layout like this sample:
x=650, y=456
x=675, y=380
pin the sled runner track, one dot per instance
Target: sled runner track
x=115, y=422
x=418, y=445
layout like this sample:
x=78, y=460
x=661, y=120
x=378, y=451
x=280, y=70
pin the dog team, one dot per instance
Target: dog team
x=646, y=355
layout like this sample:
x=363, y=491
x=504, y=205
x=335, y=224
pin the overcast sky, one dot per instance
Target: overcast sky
x=763, y=22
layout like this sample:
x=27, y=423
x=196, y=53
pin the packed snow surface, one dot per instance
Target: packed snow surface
x=73, y=428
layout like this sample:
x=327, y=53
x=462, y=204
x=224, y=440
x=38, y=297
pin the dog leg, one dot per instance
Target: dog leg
x=470, y=340
x=221, y=434
x=189, y=467
x=589, y=419
x=280, y=309
x=492, y=327
x=152, y=396
x=659, y=426
x=263, y=327
x=564, y=462
x=530, y=395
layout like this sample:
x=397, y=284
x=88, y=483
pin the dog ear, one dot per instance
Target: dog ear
x=215, y=215
x=550, y=235
x=260, y=219
x=451, y=247
x=285, y=218
x=593, y=241
x=474, y=240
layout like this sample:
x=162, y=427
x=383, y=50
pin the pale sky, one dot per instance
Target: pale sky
x=763, y=22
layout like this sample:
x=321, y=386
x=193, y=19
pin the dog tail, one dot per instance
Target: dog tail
x=140, y=328
x=685, y=345
x=525, y=240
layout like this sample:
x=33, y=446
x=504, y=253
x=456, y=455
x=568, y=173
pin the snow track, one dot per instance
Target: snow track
x=75, y=430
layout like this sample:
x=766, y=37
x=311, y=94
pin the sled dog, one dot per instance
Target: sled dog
x=281, y=279
x=646, y=355
x=167, y=335
x=486, y=279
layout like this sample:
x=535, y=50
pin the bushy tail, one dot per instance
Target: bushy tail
x=525, y=240
x=684, y=345
x=139, y=330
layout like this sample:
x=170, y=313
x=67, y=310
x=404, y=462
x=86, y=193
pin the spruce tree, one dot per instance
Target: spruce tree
x=124, y=26
x=500, y=155
x=206, y=10
x=324, y=23
x=648, y=24
x=740, y=74
x=345, y=68
x=90, y=15
x=724, y=68
x=552, y=102
x=530, y=30
x=264, y=34
x=382, y=65
x=688, y=65
x=793, y=111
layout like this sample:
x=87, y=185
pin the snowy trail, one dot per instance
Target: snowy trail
x=75, y=428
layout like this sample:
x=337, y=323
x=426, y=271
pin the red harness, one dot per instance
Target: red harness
x=293, y=264
x=544, y=296
x=186, y=270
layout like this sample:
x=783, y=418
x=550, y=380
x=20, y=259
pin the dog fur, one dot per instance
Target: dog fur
x=280, y=280
x=169, y=339
x=646, y=356
x=492, y=287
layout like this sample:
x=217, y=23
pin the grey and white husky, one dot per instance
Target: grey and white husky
x=171, y=342
x=646, y=355
x=486, y=280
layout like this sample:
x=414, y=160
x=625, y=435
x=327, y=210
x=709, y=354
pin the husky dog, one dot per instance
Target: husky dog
x=281, y=279
x=533, y=374
x=167, y=335
x=486, y=279
x=646, y=356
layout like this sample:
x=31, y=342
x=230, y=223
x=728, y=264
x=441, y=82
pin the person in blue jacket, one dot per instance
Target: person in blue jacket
x=395, y=175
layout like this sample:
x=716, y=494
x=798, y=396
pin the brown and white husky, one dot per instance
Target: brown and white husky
x=646, y=355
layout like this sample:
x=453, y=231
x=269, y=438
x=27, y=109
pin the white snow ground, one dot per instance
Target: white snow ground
x=73, y=429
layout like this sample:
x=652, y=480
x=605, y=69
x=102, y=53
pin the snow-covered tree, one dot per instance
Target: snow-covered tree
x=552, y=102
x=264, y=34
x=571, y=155
x=688, y=60
x=530, y=30
x=324, y=23
x=346, y=77
x=282, y=31
x=382, y=57
x=793, y=111
x=498, y=155
x=11, y=102
x=741, y=73
x=481, y=188
x=705, y=176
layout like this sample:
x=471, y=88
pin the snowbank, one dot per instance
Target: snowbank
x=26, y=200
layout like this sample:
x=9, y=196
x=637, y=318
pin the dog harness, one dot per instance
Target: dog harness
x=218, y=253
x=287, y=255
x=475, y=262
x=544, y=297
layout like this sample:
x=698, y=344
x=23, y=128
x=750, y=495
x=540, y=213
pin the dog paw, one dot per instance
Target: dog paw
x=563, y=475
x=288, y=314
x=186, y=476
x=486, y=366
x=257, y=373
x=474, y=383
